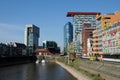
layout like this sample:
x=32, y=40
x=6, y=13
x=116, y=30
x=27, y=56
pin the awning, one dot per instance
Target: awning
x=42, y=50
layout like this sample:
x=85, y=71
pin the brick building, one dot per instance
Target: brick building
x=86, y=34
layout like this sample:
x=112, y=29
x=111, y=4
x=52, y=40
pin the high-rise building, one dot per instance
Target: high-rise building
x=80, y=18
x=68, y=35
x=31, y=37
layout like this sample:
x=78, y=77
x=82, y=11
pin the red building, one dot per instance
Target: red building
x=86, y=33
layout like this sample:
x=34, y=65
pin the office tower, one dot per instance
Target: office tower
x=31, y=37
x=68, y=35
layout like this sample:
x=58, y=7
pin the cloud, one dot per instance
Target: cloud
x=14, y=33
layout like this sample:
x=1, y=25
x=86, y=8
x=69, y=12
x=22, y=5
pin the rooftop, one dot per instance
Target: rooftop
x=71, y=14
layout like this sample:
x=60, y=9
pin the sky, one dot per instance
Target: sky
x=48, y=15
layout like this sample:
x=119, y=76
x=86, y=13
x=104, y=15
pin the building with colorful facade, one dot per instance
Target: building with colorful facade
x=109, y=19
x=80, y=18
x=111, y=41
x=97, y=43
x=106, y=34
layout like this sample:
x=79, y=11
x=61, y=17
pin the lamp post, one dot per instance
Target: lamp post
x=68, y=52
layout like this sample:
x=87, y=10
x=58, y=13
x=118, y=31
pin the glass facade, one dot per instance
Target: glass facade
x=49, y=44
x=31, y=37
x=78, y=21
x=68, y=34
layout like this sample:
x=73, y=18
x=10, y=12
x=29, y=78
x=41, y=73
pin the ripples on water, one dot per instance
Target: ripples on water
x=32, y=71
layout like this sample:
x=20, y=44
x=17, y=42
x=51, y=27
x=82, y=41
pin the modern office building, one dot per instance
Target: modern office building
x=68, y=35
x=80, y=18
x=31, y=37
x=51, y=46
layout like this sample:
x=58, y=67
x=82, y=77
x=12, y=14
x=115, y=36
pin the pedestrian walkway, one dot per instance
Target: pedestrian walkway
x=111, y=69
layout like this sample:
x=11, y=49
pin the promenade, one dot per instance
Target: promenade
x=108, y=71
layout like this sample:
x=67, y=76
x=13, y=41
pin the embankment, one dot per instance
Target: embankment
x=95, y=70
x=7, y=61
x=74, y=72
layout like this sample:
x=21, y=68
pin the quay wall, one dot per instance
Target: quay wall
x=74, y=72
x=7, y=61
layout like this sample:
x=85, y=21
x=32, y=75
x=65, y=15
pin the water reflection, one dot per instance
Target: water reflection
x=32, y=71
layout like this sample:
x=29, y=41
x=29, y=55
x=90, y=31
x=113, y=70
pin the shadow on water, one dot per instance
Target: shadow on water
x=32, y=71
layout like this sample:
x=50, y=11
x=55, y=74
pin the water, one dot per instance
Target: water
x=32, y=71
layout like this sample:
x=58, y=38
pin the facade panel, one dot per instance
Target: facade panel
x=78, y=21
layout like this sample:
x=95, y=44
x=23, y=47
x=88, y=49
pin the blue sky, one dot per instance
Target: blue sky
x=49, y=15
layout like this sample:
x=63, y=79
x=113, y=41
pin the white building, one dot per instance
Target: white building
x=80, y=18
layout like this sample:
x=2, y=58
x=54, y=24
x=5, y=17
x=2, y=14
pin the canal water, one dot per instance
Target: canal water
x=32, y=71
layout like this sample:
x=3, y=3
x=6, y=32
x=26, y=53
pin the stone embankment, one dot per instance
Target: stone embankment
x=7, y=61
x=74, y=72
x=105, y=70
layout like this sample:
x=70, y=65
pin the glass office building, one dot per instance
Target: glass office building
x=68, y=34
x=31, y=37
x=49, y=44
